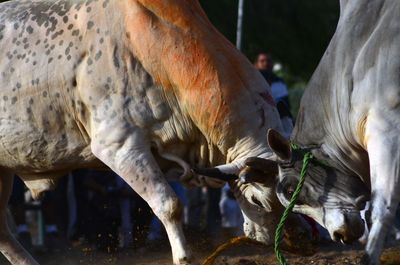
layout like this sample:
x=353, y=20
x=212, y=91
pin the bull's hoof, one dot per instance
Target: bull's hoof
x=368, y=260
x=185, y=261
x=300, y=244
x=365, y=260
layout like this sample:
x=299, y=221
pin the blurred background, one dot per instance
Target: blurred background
x=296, y=33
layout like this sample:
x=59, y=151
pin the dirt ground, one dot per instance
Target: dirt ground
x=247, y=254
x=327, y=254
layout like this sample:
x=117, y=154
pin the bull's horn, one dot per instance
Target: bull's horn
x=361, y=202
x=225, y=172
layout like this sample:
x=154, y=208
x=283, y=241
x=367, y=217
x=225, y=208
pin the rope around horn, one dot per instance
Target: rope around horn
x=278, y=233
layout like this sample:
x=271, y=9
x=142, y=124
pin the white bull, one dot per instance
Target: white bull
x=349, y=117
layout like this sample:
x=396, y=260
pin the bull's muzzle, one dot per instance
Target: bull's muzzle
x=350, y=231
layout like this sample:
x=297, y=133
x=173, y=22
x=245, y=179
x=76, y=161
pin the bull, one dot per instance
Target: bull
x=349, y=120
x=147, y=88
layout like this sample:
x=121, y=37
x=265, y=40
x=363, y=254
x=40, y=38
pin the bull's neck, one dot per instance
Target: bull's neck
x=215, y=86
x=366, y=11
x=327, y=125
x=330, y=114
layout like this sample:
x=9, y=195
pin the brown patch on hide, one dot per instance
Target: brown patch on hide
x=190, y=59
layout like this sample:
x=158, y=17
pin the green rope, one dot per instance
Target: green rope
x=278, y=233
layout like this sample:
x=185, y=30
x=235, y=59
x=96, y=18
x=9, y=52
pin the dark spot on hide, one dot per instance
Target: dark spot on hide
x=29, y=29
x=90, y=25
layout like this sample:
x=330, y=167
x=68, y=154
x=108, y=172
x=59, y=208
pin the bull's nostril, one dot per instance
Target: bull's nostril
x=256, y=201
x=338, y=237
x=344, y=239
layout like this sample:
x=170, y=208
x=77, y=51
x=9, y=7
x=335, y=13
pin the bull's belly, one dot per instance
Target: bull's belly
x=34, y=151
x=41, y=156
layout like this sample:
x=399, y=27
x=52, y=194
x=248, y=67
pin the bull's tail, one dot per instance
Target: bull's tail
x=187, y=171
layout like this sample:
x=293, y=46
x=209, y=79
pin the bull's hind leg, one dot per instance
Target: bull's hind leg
x=384, y=156
x=140, y=170
x=9, y=246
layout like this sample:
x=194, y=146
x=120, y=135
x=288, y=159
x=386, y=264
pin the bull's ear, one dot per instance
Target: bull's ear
x=279, y=145
x=263, y=165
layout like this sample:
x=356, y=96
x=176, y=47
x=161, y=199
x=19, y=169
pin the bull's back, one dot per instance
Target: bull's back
x=378, y=62
x=41, y=116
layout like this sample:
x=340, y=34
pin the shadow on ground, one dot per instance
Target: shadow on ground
x=247, y=254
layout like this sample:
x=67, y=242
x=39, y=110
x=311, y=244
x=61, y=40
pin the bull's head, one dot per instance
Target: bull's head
x=331, y=197
x=253, y=185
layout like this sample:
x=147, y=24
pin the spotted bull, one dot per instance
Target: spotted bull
x=349, y=119
x=146, y=88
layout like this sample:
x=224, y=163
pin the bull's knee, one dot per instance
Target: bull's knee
x=170, y=210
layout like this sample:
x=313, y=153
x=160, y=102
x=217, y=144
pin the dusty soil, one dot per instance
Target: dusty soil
x=247, y=254
x=326, y=255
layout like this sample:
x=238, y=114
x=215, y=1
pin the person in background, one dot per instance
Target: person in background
x=109, y=214
x=280, y=93
x=54, y=207
x=17, y=207
x=213, y=227
x=397, y=224
x=265, y=65
x=232, y=218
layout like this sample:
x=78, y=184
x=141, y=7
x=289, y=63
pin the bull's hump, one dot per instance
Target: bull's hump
x=54, y=18
x=43, y=42
x=41, y=47
x=38, y=11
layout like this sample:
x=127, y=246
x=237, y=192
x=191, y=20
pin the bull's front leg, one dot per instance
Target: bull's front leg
x=384, y=159
x=125, y=150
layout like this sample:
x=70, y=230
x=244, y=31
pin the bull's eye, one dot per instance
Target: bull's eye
x=289, y=190
x=256, y=201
